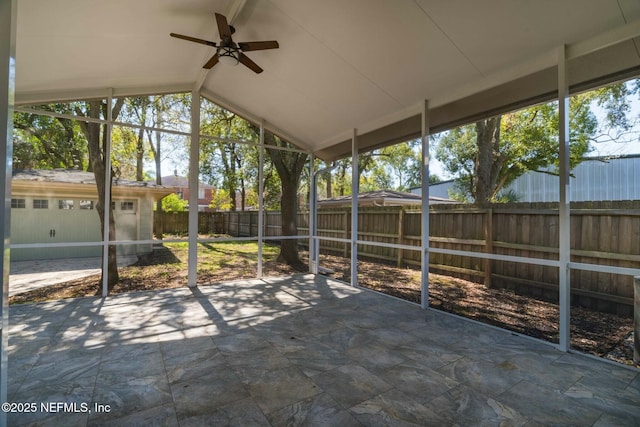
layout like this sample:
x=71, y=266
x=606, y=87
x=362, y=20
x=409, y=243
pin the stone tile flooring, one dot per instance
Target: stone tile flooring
x=295, y=351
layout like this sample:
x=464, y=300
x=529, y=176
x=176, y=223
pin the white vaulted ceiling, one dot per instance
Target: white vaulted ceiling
x=342, y=64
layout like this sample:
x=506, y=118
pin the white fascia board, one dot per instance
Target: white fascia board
x=617, y=35
x=152, y=90
x=43, y=97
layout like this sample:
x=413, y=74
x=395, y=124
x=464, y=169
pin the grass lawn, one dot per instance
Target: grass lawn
x=166, y=267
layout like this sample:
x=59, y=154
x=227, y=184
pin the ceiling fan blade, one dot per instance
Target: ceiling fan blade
x=223, y=26
x=249, y=46
x=193, y=39
x=211, y=62
x=249, y=63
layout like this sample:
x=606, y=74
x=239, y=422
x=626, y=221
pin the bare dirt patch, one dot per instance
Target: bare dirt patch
x=601, y=334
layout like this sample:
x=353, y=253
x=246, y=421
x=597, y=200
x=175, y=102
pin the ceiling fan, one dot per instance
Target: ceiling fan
x=227, y=50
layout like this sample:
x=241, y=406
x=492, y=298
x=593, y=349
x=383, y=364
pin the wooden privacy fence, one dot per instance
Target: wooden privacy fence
x=605, y=233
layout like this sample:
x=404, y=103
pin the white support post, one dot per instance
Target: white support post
x=194, y=155
x=7, y=92
x=564, y=207
x=424, y=252
x=313, y=212
x=354, y=208
x=260, y=200
x=107, y=196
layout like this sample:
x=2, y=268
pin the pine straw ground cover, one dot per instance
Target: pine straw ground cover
x=601, y=334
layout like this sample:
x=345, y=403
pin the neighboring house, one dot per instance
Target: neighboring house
x=381, y=198
x=59, y=206
x=180, y=186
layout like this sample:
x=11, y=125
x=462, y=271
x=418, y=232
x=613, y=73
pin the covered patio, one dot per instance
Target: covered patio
x=302, y=350
x=348, y=77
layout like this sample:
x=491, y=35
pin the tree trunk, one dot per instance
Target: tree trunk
x=97, y=161
x=289, y=211
x=342, y=171
x=289, y=166
x=144, y=103
x=230, y=183
x=488, y=138
x=159, y=224
x=140, y=155
x=327, y=180
x=243, y=191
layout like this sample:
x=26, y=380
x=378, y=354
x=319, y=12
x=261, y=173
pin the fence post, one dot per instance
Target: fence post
x=636, y=319
x=400, y=234
x=265, y=223
x=488, y=245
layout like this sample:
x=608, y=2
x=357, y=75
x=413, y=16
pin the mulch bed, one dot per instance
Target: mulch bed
x=602, y=334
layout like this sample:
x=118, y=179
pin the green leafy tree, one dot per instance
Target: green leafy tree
x=220, y=200
x=397, y=167
x=132, y=147
x=341, y=179
x=123, y=149
x=402, y=162
x=227, y=164
x=488, y=156
x=434, y=179
x=43, y=142
x=173, y=203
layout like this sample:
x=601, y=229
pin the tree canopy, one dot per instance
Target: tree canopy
x=233, y=167
x=489, y=155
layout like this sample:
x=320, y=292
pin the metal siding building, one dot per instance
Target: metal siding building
x=594, y=179
x=597, y=178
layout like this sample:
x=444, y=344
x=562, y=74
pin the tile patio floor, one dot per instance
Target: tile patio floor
x=296, y=351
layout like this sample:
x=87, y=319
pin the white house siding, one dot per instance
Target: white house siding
x=54, y=225
x=145, y=229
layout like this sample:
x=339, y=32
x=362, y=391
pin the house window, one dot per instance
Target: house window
x=127, y=206
x=40, y=204
x=200, y=192
x=87, y=205
x=180, y=194
x=65, y=204
x=18, y=203
x=113, y=206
